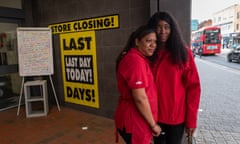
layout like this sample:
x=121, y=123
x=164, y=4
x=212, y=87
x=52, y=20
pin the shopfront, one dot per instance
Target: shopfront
x=87, y=37
x=11, y=16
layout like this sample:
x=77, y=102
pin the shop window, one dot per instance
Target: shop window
x=10, y=81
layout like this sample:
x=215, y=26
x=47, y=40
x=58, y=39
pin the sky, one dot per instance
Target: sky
x=203, y=9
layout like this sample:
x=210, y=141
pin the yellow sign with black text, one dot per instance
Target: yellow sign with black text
x=79, y=67
x=97, y=23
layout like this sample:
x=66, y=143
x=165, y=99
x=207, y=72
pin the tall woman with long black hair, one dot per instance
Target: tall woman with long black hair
x=177, y=81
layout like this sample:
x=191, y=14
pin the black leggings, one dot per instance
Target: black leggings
x=171, y=134
x=126, y=136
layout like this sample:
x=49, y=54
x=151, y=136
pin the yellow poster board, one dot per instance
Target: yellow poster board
x=89, y=24
x=79, y=67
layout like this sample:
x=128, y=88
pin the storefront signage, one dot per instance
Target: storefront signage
x=79, y=60
x=97, y=23
x=79, y=67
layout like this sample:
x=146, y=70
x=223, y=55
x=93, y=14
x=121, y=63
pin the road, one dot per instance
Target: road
x=219, y=113
x=221, y=59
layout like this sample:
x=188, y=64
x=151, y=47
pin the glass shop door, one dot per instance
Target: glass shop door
x=10, y=81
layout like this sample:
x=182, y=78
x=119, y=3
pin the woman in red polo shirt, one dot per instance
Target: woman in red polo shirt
x=177, y=81
x=136, y=113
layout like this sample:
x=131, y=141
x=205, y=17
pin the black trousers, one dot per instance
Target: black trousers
x=171, y=134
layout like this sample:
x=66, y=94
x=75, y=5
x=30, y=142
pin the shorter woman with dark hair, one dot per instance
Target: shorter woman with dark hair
x=136, y=113
x=177, y=81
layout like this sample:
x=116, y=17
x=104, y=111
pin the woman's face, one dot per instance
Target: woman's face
x=147, y=44
x=163, y=30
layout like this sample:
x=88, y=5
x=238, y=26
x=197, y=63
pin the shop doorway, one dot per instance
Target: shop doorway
x=10, y=81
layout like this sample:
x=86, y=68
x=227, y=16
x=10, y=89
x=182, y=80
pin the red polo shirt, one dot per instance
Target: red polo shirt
x=134, y=72
x=178, y=90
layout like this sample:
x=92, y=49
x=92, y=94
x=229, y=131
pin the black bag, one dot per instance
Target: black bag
x=189, y=140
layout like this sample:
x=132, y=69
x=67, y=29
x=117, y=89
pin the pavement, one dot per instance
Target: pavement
x=67, y=126
x=219, y=115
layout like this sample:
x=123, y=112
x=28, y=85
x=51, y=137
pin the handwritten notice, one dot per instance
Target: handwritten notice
x=35, y=51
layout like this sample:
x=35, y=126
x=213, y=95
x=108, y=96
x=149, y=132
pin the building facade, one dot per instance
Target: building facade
x=229, y=21
x=91, y=33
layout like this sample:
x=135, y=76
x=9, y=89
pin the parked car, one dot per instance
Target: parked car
x=234, y=55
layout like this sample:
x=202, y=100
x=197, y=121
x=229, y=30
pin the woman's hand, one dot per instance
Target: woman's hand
x=156, y=129
x=190, y=131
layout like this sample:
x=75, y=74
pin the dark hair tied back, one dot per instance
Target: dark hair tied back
x=139, y=33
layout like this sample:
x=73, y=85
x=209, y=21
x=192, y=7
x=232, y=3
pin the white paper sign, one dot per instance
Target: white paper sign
x=35, y=51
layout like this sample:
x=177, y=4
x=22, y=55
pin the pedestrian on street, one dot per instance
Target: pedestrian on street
x=136, y=113
x=177, y=81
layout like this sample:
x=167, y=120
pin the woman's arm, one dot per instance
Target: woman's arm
x=193, y=93
x=142, y=104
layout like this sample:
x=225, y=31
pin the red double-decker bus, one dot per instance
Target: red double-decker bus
x=207, y=40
